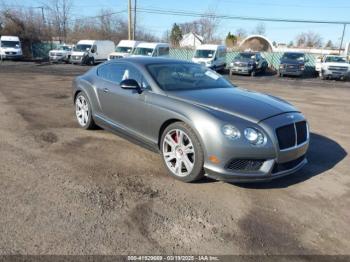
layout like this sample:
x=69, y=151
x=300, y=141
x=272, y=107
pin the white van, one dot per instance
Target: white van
x=91, y=51
x=124, y=49
x=10, y=47
x=211, y=56
x=152, y=49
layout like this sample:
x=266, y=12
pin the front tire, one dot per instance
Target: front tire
x=182, y=152
x=83, y=112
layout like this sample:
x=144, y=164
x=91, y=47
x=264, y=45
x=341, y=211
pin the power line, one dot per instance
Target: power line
x=230, y=17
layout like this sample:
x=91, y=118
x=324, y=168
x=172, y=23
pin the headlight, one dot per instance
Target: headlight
x=282, y=66
x=231, y=132
x=302, y=67
x=209, y=62
x=254, y=136
x=231, y=64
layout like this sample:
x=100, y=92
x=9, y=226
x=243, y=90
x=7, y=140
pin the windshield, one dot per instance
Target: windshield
x=13, y=44
x=335, y=59
x=64, y=48
x=123, y=49
x=293, y=56
x=245, y=56
x=81, y=48
x=143, y=51
x=186, y=76
x=204, y=53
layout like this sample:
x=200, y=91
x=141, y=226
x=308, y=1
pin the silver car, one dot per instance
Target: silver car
x=200, y=123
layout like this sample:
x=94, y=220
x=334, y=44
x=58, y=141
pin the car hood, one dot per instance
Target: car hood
x=292, y=62
x=59, y=51
x=77, y=53
x=337, y=64
x=251, y=106
x=243, y=60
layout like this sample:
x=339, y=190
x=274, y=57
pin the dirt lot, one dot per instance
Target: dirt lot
x=64, y=190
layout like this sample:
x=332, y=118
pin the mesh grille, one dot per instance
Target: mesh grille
x=292, y=134
x=245, y=164
x=279, y=167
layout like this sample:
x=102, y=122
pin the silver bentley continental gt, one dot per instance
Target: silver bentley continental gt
x=200, y=123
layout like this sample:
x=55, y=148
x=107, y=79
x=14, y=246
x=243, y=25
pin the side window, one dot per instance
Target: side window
x=131, y=72
x=113, y=72
x=163, y=51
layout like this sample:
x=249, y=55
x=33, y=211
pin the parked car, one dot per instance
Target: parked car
x=211, y=56
x=200, y=122
x=61, y=54
x=124, y=49
x=333, y=66
x=91, y=51
x=292, y=63
x=10, y=47
x=152, y=49
x=248, y=63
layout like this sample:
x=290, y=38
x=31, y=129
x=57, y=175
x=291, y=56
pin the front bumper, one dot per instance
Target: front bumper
x=76, y=59
x=291, y=72
x=58, y=58
x=241, y=70
x=334, y=74
x=11, y=56
x=265, y=163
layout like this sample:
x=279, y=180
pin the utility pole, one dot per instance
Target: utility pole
x=134, y=31
x=342, y=39
x=129, y=20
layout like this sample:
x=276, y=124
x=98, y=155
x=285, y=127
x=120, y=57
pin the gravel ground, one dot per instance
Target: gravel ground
x=65, y=190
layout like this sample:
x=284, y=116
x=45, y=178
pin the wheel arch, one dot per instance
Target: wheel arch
x=165, y=125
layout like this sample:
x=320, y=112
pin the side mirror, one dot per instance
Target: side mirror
x=131, y=84
x=93, y=50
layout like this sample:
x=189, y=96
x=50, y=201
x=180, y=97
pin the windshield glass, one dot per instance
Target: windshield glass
x=293, y=56
x=123, y=49
x=245, y=56
x=143, y=51
x=13, y=44
x=204, y=53
x=186, y=76
x=64, y=48
x=81, y=48
x=335, y=59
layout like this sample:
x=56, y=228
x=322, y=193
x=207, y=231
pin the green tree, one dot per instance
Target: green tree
x=176, y=35
x=231, y=39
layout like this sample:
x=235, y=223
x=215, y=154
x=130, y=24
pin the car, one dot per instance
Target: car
x=292, y=64
x=124, y=49
x=151, y=49
x=248, y=63
x=200, y=122
x=61, y=54
x=90, y=52
x=211, y=56
x=10, y=48
x=333, y=67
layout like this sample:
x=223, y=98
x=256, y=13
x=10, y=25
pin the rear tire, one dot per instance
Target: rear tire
x=182, y=152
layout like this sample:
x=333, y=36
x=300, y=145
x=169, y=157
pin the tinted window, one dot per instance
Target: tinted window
x=163, y=51
x=293, y=56
x=112, y=72
x=131, y=72
x=204, y=53
x=186, y=76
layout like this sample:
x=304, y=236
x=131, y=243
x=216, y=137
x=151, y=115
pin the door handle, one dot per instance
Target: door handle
x=106, y=90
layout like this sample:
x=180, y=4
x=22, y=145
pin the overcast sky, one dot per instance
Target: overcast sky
x=336, y=10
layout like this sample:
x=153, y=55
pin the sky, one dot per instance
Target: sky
x=331, y=10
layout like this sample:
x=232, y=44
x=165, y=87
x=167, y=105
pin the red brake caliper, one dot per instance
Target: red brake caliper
x=174, y=136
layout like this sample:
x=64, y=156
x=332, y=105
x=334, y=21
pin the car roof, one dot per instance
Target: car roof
x=144, y=60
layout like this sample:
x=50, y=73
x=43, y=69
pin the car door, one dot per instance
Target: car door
x=125, y=108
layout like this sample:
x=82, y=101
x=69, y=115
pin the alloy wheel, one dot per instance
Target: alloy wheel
x=178, y=152
x=82, y=110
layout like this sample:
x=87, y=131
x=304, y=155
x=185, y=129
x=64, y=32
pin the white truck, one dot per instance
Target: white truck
x=124, y=49
x=211, y=56
x=91, y=51
x=152, y=49
x=333, y=66
x=61, y=54
x=10, y=47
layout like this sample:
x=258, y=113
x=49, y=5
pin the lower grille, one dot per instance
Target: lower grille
x=245, y=164
x=291, y=135
x=279, y=167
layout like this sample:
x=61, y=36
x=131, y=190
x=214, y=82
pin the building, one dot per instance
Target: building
x=191, y=40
